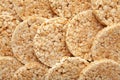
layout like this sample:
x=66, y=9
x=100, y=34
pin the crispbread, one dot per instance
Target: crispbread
x=81, y=33
x=106, y=11
x=101, y=70
x=49, y=42
x=107, y=44
x=7, y=26
x=69, y=8
x=31, y=71
x=26, y=8
x=22, y=39
x=8, y=65
x=68, y=69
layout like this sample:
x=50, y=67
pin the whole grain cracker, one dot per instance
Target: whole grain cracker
x=22, y=39
x=8, y=65
x=106, y=11
x=31, y=71
x=7, y=26
x=81, y=32
x=107, y=44
x=69, y=8
x=101, y=70
x=49, y=42
x=26, y=8
x=68, y=69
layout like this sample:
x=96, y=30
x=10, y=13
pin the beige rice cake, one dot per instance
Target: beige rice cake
x=101, y=70
x=106, y=11
x=8, y=65
x=81, y=32
x=22, y=39
x=68, y=69
x=49, y=42
x=69, y=8
x=107, y=44
x=7, y=26
x=26, y=8
x=31, y=71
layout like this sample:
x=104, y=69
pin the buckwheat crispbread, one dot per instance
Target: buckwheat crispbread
x=25, y=8
x=49, y=42
x=22, y=39
x=101, y=70
x=31, y=71
x=69, y=8
x=68, y=69
x=107, y=11
x=7, y=26
x=107, y=44
x=8, y=65
x=81, y=32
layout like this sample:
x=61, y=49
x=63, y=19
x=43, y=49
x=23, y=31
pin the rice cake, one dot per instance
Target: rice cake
x=49, y=42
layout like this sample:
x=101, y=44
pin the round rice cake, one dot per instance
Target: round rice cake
x=69, y=8
x=26, y=8
x=101, y=70
x=49, y=42
x=81, y=32
x=31, y=71
x=68, y=69
x=106, y=11
x=8, y=65
x=107, y=44
x=22, y=39
x=7, y=26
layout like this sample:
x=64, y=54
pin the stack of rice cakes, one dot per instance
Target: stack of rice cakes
x=59, y=40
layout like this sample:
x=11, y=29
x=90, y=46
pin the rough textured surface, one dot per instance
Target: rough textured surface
x=31, y=71
x=107, y=11
x=81, y=32
x=101, y=70
x=8, y=65
x=7, y=26
x=69, y=8
x=49, y=42
x=68, y=69
x=22, y=39
x=6, y=6
x=25, y=8
x=107, y=44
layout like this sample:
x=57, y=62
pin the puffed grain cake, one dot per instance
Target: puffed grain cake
x=49, y=42
x=101, y=70
x=31, y=71
x=107, y=44
x=69, y=8
x=8, y=65
x=107, y=11
x=22, y=39
x=7, y=26
x=81, y=32
x=26, y=8
x=68, y=69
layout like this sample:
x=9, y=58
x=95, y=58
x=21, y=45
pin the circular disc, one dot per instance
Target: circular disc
x=81, y=33
x=49, y=42
x=107, y=44
x=101, y=70
x=22, y=39
x=31, y=71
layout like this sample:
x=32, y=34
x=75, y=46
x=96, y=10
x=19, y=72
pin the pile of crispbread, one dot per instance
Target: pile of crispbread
x=59, y=39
